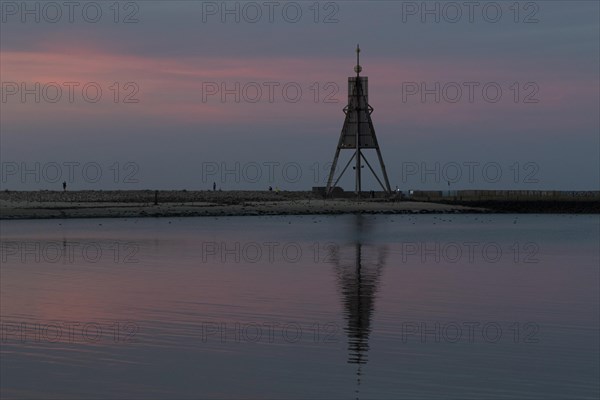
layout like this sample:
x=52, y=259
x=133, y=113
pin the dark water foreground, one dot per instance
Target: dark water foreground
x=387, y=307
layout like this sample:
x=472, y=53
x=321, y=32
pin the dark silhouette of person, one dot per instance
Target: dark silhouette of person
x=64, y=186
x=270, y=188
x=214, y=186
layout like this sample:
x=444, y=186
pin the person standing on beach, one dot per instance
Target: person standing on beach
x=214, y=186
x=64, y=186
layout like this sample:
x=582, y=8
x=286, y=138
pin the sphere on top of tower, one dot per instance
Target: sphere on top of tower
x=358, y=68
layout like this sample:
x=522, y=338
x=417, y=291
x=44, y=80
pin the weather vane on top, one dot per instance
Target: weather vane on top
x=358, y=68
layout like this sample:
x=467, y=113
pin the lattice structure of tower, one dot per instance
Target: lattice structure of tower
x=358, y=133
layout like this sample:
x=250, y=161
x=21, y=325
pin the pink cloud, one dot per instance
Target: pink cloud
x=171, y=89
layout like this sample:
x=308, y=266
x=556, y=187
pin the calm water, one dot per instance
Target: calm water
x=461, y=306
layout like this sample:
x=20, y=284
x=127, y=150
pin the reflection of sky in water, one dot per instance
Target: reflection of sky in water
x=336, y=309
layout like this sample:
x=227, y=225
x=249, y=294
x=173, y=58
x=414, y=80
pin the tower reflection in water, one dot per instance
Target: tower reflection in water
x=358, y=266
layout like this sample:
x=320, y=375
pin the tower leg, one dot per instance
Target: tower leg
x=358, y=182
x=328, y=189
x=385, y=177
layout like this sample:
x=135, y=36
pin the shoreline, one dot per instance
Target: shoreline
x=19, y=205
x=138, y=204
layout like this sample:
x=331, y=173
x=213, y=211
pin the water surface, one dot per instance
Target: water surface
x=423, y=306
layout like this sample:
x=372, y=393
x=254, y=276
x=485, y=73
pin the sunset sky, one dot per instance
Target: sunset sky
x=168, y=128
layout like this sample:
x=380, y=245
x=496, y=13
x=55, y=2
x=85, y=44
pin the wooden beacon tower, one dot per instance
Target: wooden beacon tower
x=358, y=133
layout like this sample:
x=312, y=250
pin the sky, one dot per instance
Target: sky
x=181, y=94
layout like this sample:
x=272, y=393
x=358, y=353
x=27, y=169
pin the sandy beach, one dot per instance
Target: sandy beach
x=130, y=204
